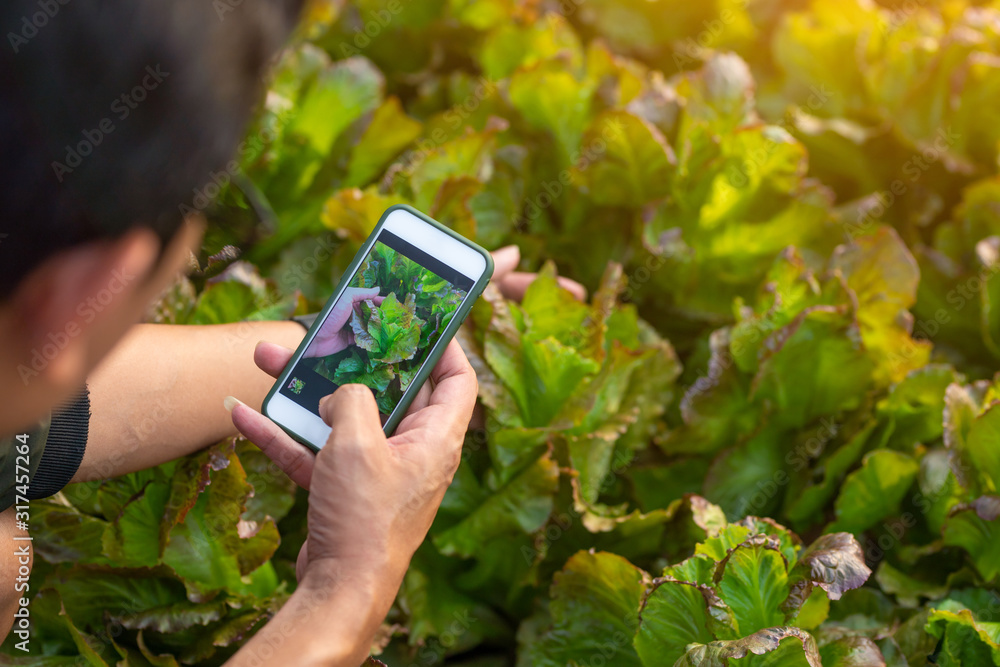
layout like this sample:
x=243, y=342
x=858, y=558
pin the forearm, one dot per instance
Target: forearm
x=14, y=566
x=159, y=394
x=330, y=620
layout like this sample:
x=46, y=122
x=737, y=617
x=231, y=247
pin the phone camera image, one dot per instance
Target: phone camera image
x=383, y=326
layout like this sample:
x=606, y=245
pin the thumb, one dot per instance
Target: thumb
x=365, y=293
x=353, y=414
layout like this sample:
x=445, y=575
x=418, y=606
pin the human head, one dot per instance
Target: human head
x=112, y=113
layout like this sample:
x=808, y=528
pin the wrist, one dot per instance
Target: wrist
x=377, y=577
x=357, y=597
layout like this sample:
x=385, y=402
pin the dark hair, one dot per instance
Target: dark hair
x=114, y=112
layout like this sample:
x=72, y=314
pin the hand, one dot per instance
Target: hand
x=513, y=284
x=334, y=336
x=374, y=497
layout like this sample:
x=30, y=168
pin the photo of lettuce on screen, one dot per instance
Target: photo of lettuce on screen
x=384, y=325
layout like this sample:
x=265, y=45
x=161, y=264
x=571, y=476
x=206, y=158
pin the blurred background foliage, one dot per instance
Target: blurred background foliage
x=788, y=215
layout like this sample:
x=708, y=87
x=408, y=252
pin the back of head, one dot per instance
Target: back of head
x=112, y=112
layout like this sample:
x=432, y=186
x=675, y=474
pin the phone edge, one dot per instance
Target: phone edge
x=452, y=329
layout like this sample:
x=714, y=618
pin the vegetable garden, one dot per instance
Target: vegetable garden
x=770, y=436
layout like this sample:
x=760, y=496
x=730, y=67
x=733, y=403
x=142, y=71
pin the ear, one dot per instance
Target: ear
x=67, y=308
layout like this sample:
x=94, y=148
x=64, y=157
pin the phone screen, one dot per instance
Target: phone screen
x=382, y=328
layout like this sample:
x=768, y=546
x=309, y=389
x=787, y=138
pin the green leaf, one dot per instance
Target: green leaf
x=632, y=163
x=163, y=660
x=175, y=617
x=674, y=615
x=273, y=491
x=550, y=98
x=552, y=311
x=965, y=641
x=852, y=652
x=805, y=506
x=723, y=541
x=981, y=448
x=748, y=478
x=389, y=132
x=91, y=593
x=915, y=405
x=975, y=528
x=813, y=612
x=340, y=94
x=511, y=45
x=594, y=609
x=716, y=409
x=468, y=157
x=137, y=533
x=223, y=302
x=753, y=582
x=92, y=651
x=521, y=505
x=542, y=373
x=511, y=449
x=655, y=487
x=213, y=548
x=62, y=534
x=787, y=542
x=436, y=607
x=353, y=212
x=884, y=276
x=874, y=491
x=908, y=590
x=822, y=339
x=698, y=569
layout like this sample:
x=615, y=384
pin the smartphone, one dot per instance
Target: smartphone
x=400, y=302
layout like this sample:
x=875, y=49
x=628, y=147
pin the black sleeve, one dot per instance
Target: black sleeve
x=64, y=448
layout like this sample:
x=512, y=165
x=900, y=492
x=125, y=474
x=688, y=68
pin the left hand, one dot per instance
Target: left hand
x=513, y=284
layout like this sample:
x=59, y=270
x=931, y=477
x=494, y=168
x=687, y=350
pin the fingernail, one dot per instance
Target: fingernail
x=231, y=402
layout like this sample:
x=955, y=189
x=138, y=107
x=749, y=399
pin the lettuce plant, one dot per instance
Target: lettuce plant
x=751, y=590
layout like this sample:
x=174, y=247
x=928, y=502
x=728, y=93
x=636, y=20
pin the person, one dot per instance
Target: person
x=111, y=114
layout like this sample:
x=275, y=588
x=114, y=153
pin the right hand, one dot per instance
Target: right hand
x=373, y=498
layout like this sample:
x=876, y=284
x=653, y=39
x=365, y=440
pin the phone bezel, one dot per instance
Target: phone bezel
x=427, y=235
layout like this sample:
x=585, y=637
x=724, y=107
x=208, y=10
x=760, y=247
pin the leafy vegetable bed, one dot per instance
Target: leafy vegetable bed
x=788, y=215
